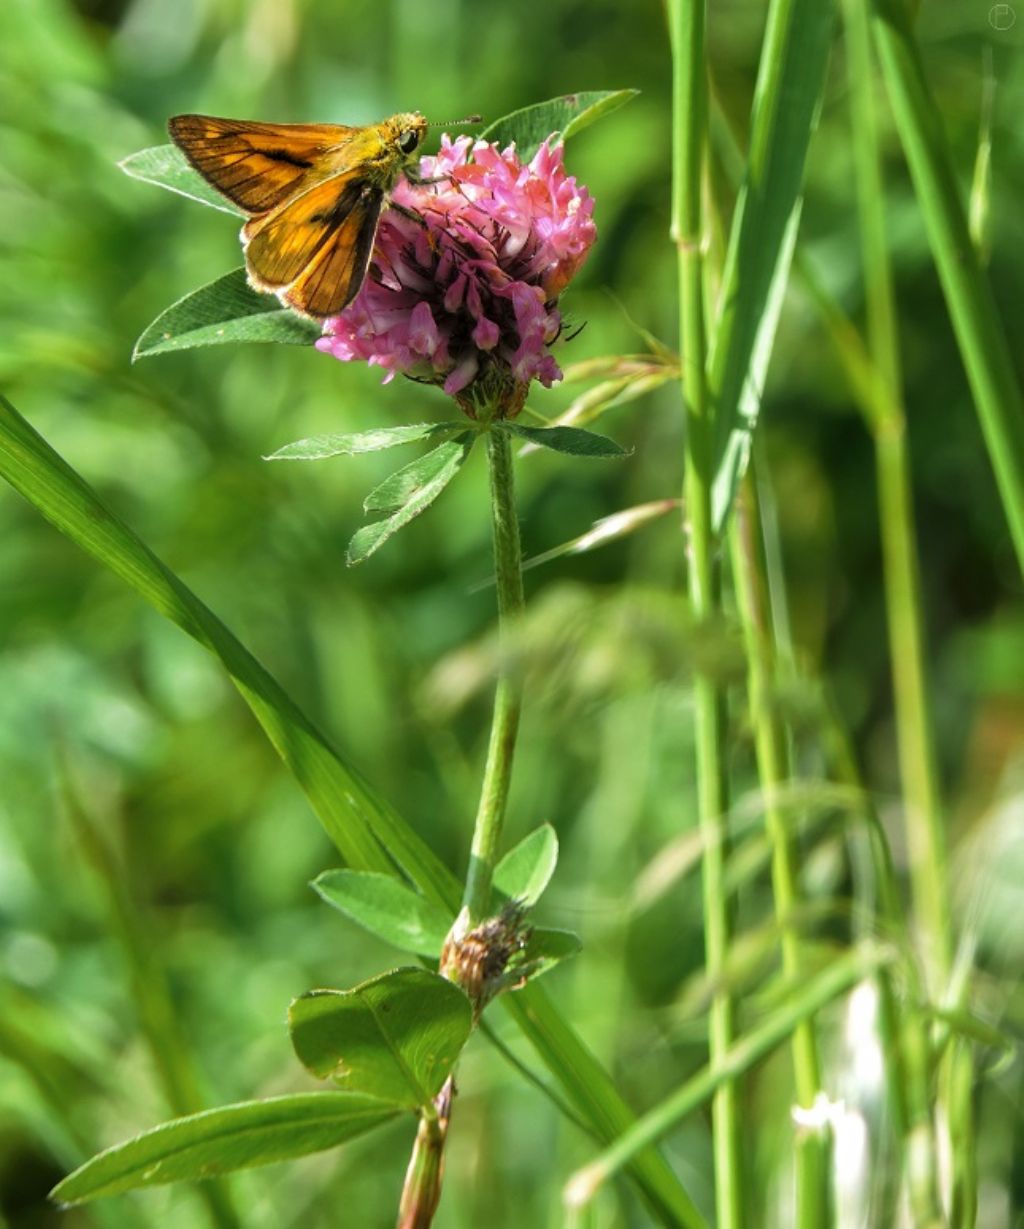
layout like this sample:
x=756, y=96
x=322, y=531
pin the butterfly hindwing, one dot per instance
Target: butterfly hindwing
x=256, y=166
x=332, y=279
x=317, y=244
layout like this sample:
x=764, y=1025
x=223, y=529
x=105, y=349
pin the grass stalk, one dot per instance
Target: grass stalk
x=916, y=743
x=979, y=332
x=748, y=568
x=689, y=127
x=926, y=841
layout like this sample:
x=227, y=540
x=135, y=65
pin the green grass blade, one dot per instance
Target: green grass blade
x=979, y=332
x=786, y=103
x=346, y=806
x=802, y=1002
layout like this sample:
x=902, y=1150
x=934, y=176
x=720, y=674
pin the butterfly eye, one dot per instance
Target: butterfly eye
x=408, y=140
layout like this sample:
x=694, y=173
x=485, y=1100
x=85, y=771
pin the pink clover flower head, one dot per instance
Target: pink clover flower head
x=468, y=298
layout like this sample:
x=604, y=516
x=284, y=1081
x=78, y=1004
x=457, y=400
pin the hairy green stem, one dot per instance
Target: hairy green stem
x=422, y=1190
x=748, y=567
x=689, y=119
x=508, y=571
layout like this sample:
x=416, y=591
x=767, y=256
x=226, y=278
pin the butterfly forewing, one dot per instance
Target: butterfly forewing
x=313, y=192
x=257, y=166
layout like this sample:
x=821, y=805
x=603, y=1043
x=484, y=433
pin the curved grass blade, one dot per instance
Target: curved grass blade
x=352, y=814
x=362, y=826
x=746, y=1051
x=221, y=1140
x=763, y=235
x=225, y=310
x=980, y=334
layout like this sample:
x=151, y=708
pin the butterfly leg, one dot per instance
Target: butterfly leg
x=424, y=181
x=406, y=212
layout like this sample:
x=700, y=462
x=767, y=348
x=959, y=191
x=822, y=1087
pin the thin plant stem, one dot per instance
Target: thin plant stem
x=508, y=571
x=422, y=1190
x=911, y=1048
x=748, y=569
x=926, y=840
x=689, y=116
x=924, y=820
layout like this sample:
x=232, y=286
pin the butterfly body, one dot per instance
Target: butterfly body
x=313, y=192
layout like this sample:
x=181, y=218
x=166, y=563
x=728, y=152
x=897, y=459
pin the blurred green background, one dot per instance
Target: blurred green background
x=213, y=840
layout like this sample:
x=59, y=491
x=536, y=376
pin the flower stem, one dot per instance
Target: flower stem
x=689, y=121
x=508, y=572
x=422, y=1190
x=770, y=747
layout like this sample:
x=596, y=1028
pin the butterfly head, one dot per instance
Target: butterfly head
x=405, y=132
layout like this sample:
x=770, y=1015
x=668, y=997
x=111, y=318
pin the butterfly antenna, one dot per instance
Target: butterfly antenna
x=454, y=123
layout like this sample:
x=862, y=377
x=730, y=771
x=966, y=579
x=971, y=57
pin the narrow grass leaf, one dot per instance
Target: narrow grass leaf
x=802, y=1003
x=396, y=1036
x=368, y=540
x=525, y=871
x=562, y=117
x=224, y=311
x=167, y=167
x=320, y=447
x=358, y=821
x=218, y=1141
x=980, y=333
x=573, y=441
x=387, y=908
x=352, y=814
x=763, y=234
x=607, y=529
